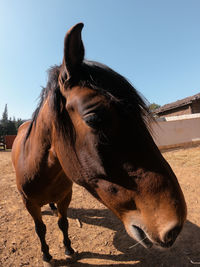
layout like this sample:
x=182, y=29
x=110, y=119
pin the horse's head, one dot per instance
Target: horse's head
x=103, y=143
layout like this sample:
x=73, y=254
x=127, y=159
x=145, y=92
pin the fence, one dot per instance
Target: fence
x=9, y=139
x=175, y=133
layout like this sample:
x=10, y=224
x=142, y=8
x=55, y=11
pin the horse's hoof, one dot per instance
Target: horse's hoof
x=49, y=264
x=71, y=257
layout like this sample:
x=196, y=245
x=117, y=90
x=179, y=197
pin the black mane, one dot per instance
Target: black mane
x=51, y=87
x=97, y=77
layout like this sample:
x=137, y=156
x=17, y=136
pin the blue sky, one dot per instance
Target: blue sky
x=155, y=44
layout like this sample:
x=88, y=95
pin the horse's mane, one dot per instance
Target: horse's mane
x=102, y=79
x=51, y=87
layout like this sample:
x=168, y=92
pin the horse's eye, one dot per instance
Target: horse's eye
x=93, y=120
x=97, y=119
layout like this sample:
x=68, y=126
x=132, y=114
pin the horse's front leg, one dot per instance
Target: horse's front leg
x=63, y=223
x=40, y=229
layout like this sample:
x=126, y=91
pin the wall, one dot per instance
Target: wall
x=166, y=134
x=196, y=106
x=9, y=139
x=176, y=133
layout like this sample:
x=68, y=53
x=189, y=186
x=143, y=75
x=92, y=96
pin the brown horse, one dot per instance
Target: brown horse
x=91, y=128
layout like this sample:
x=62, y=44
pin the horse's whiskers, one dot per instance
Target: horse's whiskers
x=139, y=242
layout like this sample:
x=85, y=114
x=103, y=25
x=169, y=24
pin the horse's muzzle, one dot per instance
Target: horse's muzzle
x=141, y=237
x=170, y=237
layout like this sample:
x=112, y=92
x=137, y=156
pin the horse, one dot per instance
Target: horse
x=93, y=128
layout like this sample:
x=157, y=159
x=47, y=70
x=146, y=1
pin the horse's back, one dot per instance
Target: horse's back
x=24, y=126
x=18, y=142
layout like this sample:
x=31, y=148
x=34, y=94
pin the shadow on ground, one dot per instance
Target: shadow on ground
x=185, y=251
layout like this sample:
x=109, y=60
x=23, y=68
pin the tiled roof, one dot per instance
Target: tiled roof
x=178, y=103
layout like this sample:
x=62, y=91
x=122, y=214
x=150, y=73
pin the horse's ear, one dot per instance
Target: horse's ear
x=73, y=49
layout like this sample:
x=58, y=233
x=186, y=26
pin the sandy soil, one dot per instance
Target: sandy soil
x=101, y=240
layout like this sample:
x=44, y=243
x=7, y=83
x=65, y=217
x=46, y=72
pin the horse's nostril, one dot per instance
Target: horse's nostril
x=171, y=236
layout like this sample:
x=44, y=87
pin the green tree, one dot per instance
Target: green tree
x=153, y=106
x=1, y=130
x=4, y=119
x=9, y=126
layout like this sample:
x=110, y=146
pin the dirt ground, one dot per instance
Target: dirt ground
x=101, y=240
